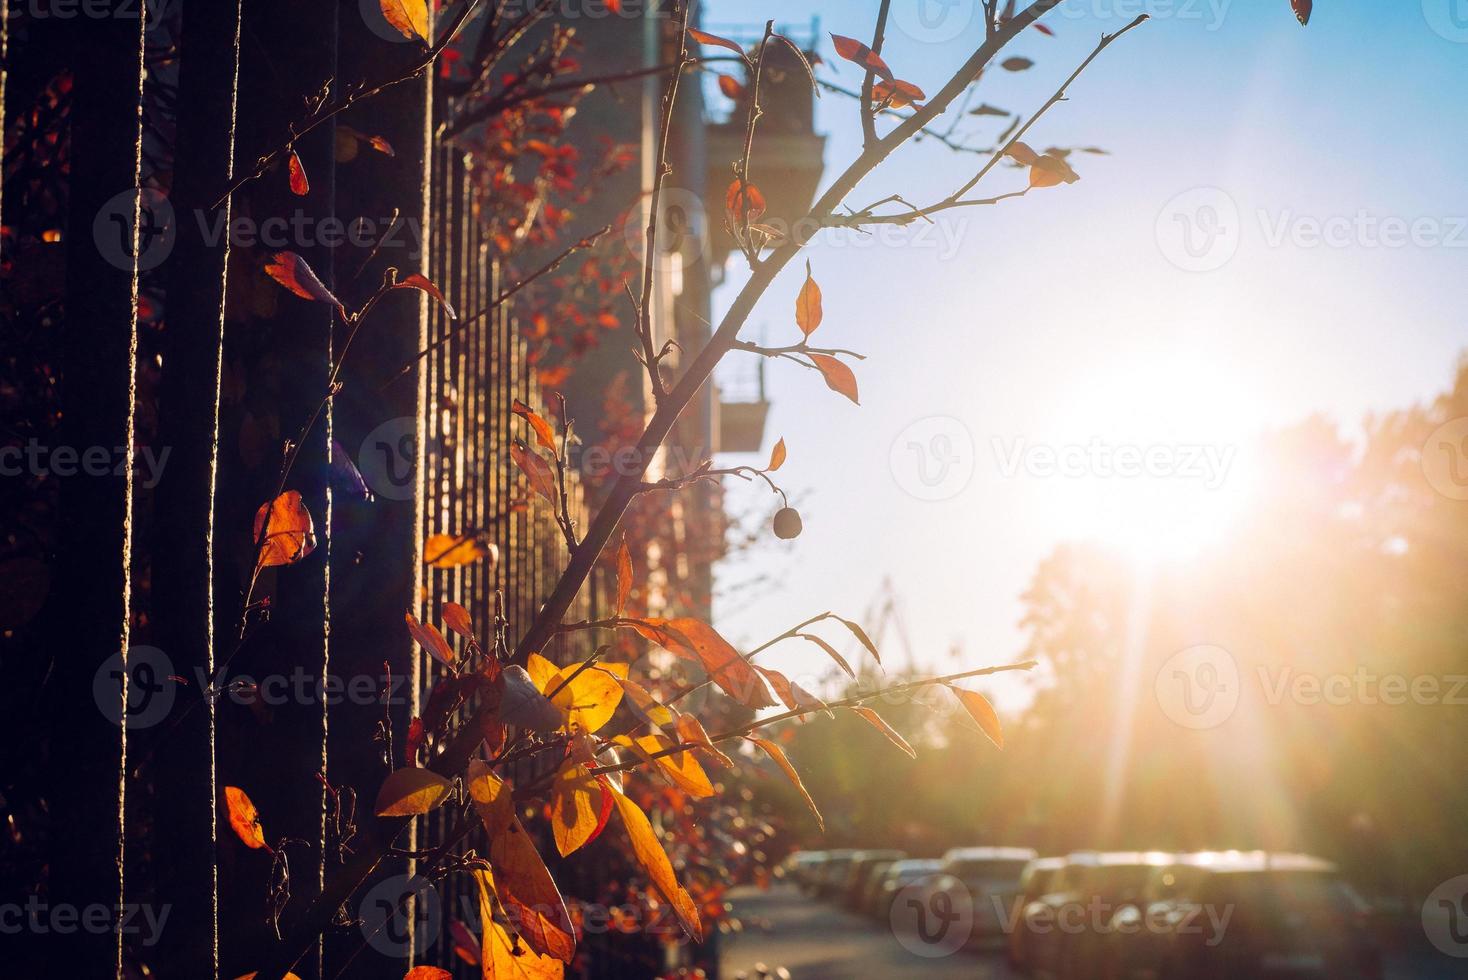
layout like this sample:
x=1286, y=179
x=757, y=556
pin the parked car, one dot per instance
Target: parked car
x=899, y=875
x=830, y=874
x=872, y=885
x=1289, y=916
x=1037, y=879
x=801, y=865
x=862, y=865
x=1092, y=886
x=1137, y=931
x=988, y=878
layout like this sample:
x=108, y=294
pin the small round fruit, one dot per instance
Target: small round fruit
x=787, y=523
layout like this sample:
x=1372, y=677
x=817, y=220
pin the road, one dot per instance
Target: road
x=818, y=941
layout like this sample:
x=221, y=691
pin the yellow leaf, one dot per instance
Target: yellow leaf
x=576, y=807
x=588, y=697
x=647, y=707
x=982, y=712
x=881, y=725
x=409, y=17
x=500, y=957
x=541, y=671
x=681, y=767
x=289, y=536
x=411, y=791
x=654, y=861
x=457, y=550
x=775, y=752
x=690, y=730
x=429, y=638
x=523, y=884
x=243, y=817
x=808, y=307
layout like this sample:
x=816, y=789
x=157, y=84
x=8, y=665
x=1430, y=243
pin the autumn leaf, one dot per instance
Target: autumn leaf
x=523, y=884
x=691, y=730
x=466, y=947
x=425, y=285
x=988, y=110
x=881, y=725
x=744, y=203
x=693, y=639
x=300, y=186
x=537, y=471
x=808, y=310
x=292, y=272
x=428, y=973
x=982, y=712
x=456, y=618
x=898, y=93
x=777, y=457
x=775, y=752
x=713, y=40
x=646, y=707
x=830, y=652
x=654, y=861
x=624, y=575
x=680, y=767
x=854, y=51
x=411, y=791
x=1049, y=170
x=1303, y=9
x=501, y=957
x=544, y=434
x=381, y=145
x=1016, y=64
x=409, y=17
x=731, y=87
x=244, y=819
x=861, y=637
x=791, y=695
x=522, y=704
x=578, y=804
x=289, y=536
x=430, y=639
x=457, y=550
x=588, y=696
x=839, y=377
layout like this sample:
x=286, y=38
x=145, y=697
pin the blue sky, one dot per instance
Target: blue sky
x=1332, y=157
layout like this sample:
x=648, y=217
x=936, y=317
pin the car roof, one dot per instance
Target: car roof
x=1243, y=862
x=916, y=864
x=1047, y=864
x=990, y=854
x=878, y=855
x=1111, y=859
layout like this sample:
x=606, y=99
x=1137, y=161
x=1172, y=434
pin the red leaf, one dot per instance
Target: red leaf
x=731, y=87
x=292, y=272
x=693, y=639
x=899, y=93
x=300, y=186
x=536, y=470
x=744, y=202
x=381, y=145
x=704, y=37
x=854, y=51
x=415, y=281
x=838, y=376
x=1303, y=9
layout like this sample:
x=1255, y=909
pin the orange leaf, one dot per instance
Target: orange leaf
x=289, y=536
x=428, y=973
x=1050, y=170
x=854, y=51
x=744, y=203
x=456, y=550
x=624, y=575
x=839, y=377
x=300, y=186
x=381, y=145
x=899, y=93
x=536, y=470
x=731, y=87
x=982, y=712
x=576, y=806
x=704, y=37
x=456, y=618
x=693, y=639
x=410, y=17
x=431, y=640
x=544, y=434
x=654, y=861
x=690, y=730
x=808, y=310
x=881, y=725
x=830, y=652
x=862, y=638
x=501, y=956
x=411, y=791
x=292, y=272
x=775, y=752
x=244, y=819
x=1023, y=153
x=424, y=284
x=523, y=884
x=791, y=695
x=777, y=457
x=681, y=767
x=646, y=707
